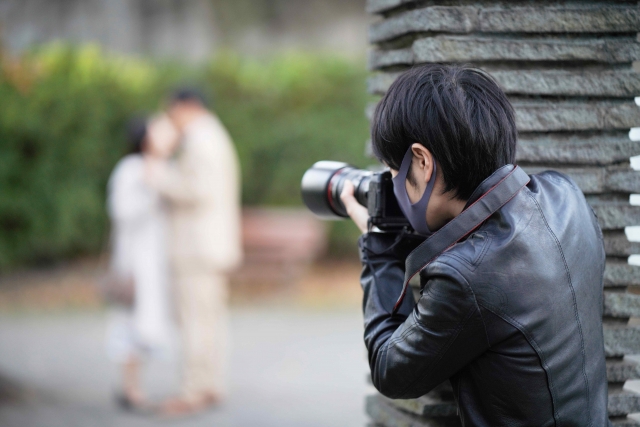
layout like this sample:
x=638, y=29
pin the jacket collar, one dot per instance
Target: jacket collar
x=490, y=182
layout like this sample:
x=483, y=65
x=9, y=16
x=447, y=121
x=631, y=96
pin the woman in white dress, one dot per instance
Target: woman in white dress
x=139, y=253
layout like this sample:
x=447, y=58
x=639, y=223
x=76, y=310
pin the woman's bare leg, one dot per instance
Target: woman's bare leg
x=131, y=381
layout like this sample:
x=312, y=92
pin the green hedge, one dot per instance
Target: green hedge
x=62, y=119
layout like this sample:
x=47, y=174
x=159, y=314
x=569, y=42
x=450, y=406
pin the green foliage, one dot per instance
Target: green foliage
x=62, y=117
x=287, y=113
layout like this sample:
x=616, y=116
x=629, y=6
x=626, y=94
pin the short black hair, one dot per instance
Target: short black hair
x=188, y=94
x=458, y=113
x=137, y=133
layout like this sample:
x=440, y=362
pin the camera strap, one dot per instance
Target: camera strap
x=462, y=225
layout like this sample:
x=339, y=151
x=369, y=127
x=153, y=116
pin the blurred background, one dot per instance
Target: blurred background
x=287, y=79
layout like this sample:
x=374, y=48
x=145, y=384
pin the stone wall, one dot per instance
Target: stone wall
x=567, y=68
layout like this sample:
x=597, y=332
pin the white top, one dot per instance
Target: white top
x=139, y=249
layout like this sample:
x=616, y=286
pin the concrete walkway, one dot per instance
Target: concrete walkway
x=289, y=367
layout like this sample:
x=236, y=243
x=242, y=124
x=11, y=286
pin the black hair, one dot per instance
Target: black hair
x=136, y=134
x=458, y=113
x=188, y=94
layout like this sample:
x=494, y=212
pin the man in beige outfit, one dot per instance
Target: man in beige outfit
x=201, y=186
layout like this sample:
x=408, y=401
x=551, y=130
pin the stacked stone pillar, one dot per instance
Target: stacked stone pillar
x=567, y=67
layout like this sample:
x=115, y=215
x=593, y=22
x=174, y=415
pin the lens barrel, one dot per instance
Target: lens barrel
x=323, y=183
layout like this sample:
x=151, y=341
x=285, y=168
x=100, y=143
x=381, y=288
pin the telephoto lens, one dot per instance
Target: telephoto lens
x=323, y=183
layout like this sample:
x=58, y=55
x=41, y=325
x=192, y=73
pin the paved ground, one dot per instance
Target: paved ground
x=290, y=367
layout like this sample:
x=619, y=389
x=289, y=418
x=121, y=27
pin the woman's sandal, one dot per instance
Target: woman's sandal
x=180, y=407
x=137, y=406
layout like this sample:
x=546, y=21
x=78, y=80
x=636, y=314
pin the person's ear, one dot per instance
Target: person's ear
x=422, y=162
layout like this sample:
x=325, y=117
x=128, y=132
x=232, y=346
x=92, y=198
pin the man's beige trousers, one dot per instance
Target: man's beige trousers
x=201, y=303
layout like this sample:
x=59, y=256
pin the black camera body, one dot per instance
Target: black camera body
x=322, y=185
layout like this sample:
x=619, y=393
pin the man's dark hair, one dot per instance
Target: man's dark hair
x=458, y=113
x=188, y=94
x=136, y=134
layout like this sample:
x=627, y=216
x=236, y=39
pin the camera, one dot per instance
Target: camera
x=323, y=182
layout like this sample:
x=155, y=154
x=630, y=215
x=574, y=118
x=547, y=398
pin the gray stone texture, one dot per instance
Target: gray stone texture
x=593, y=83
x=575, y=149
x=379, y=83
x=433, y=404
x=381, y=59
x=618, y=273
x=621, y=304
x=371, y=107
x=575, y=18
x=620, y=339
x=427, y=407
x=574, y=115
x=382, y=411
x=561, y=116
x=619, y=371
x=622, y=181
x=466, y=19
x=446, y=19
x=566, y=66
x=623, y=421
x=464, y=48
x=616, y=215
x=607, y=50
x=616, y=244
x=622, y=402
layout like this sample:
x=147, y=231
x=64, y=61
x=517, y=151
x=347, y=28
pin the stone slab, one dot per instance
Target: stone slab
x=439, y=402
x=623, y=180
x=623, y=402
x=598, y=180
x=624, y=422
x=574, y=18
x=379, y=83
x=620, y=340
x=487, y=49
x=621, y=304
x=553, y=116
x=562, y=116
x=378, y=59
x=370, y=109
x=447, y=19
x=618, y=273
x=616, y=215
x=616, y=244
x=387, y=415
x=586, y=148
x=427, y=408
x=467, y=48
x=619, y=371
x=378, y=6
x=466, y=19
x=604, y=83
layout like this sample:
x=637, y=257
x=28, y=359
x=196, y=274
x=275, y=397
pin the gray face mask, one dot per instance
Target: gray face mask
x=416, y=213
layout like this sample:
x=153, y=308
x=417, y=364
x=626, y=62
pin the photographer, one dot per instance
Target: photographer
x=510, y=307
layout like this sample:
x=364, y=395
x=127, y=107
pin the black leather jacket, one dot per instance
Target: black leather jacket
x=512, y=315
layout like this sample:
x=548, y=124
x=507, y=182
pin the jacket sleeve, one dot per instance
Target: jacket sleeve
x=193, y=180
x=426, y=342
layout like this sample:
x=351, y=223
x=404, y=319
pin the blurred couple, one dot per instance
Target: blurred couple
x=174, y=203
